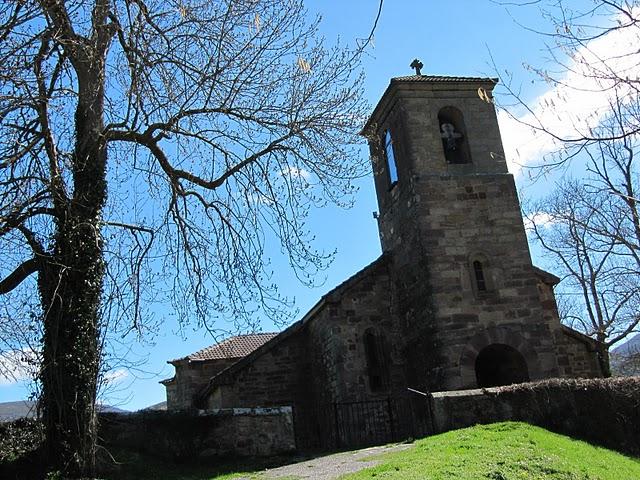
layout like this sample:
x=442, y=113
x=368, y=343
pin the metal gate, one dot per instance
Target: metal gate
x=376, y=422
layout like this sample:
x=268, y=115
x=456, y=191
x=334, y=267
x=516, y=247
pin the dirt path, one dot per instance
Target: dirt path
x=331, y=466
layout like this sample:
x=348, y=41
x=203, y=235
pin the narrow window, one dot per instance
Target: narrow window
x=391, y=159
x=478, y=271
x=376, y=361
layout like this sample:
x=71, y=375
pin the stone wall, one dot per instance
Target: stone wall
x=469, y=217
x=366, y=303
x=189, y=378
x=576, y=353
x=275, y=374
x=437, y=220
x=321, y=360
x=459, y=219
x=603, y=411
x=411, y=113
x=577, y=356
x=183, y=436
x=341, y=374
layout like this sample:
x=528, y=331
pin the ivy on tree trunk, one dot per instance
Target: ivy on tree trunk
x=223, y=122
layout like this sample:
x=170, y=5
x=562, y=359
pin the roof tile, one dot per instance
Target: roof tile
x=440, y=78
x=234, y=347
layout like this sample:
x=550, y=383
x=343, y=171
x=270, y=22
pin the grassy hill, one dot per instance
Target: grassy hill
x=503, y=451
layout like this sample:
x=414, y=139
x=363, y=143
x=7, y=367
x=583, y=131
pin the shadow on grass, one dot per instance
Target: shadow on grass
x=127, y=465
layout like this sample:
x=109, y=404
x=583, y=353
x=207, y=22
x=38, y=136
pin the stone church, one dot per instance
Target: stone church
x=452, y=303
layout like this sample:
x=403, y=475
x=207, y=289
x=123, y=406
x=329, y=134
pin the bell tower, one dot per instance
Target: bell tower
x=427, y=127
x=449, y=218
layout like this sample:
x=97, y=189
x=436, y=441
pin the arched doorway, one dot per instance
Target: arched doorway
x=499, y=364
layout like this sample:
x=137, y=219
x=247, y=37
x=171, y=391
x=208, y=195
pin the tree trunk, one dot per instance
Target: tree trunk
x=70, y=286
x=603, y=356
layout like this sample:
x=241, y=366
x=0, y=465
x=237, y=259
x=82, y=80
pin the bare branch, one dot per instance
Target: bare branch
x=19, y=275
x=214, y=127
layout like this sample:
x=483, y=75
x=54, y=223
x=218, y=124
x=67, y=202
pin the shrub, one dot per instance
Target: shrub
x=19, y=438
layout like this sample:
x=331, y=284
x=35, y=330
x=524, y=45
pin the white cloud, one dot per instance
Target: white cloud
x=579, y=102
x=115, y=376
x=540, y=219
x=17, y=366
x=259, y=198
x=295, y=172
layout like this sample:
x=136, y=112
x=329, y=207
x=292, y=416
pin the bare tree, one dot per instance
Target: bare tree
x=156, y=149
x=593, y=59
x=19, y=337
x=580, y=228
x=626, y=360
x=591, y=226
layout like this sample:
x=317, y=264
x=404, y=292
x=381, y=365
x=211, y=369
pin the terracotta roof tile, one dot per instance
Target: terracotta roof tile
x=440, y=78
x=234, y=347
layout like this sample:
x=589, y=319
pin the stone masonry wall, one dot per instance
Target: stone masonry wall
x=413, y=121
x=446, y=222
x=189, y=378
x=324, y=360
x=436, y=221
x=576, y=353
x=463, y=218
x=280, y=376
x=184, y=436
x=341, y=373
x=337, y=339
x=425, y=153
x=577, y=358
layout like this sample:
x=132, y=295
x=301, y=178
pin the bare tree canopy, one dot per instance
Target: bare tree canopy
x=592, y=72
x=155, y=149
x=588, y=121
x=625, y=360
x=585, y=232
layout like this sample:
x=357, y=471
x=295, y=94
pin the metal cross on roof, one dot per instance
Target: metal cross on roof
x=417, y=64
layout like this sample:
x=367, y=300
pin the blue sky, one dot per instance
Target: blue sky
x=451, y=38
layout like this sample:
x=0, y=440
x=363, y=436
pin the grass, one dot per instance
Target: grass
x=503, y=451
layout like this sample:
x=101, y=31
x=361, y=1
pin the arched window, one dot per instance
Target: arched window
x=391, y=158
x=454, y=135
x=376, y=356
x=478, y=272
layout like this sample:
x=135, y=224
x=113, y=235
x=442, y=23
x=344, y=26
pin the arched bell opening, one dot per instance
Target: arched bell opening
x=454, y=136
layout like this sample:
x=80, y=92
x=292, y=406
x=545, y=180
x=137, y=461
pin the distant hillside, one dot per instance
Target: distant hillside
x=10, y=411
x=631, y=346
x=13, y=410
x=157, y=406
x=625, y=359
